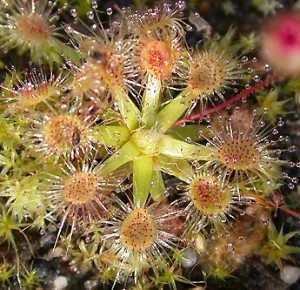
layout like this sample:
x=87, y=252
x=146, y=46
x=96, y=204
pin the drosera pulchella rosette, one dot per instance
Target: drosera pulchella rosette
x=35, y=89
x=61, y=132
x=95, y=142
x=243, y=148
x=30, y=26
x=138, y=237
x=79, y=197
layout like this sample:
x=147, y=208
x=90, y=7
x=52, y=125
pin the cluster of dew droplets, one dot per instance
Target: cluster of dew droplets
x=93, y=15
x=55, y=16
x=153, y=15
x=73, y=12
x=245, y=65
x=291, y=181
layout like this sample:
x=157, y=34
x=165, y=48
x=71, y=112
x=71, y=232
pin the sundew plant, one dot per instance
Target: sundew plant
x=136, y=158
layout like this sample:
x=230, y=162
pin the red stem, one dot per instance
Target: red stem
x=244, y=94
x=269, y=203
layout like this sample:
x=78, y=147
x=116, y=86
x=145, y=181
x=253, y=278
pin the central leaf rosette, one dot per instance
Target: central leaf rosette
x=147, y=141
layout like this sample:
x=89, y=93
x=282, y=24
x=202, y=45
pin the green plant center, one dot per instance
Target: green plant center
x=146, y=140
x=80, y=188
x=138, y=230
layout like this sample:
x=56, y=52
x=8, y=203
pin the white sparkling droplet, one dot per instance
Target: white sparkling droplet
x=94, y=4
x=73, y=12
x=109, y=11
x=90, y=15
